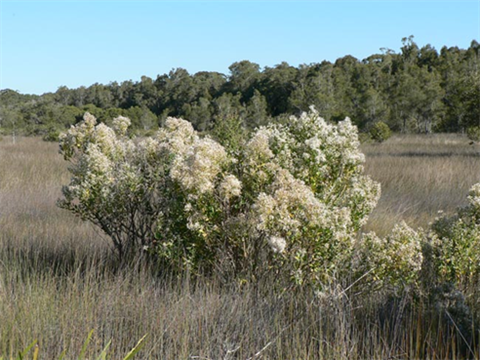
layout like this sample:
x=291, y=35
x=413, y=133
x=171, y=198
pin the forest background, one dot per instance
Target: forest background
x=418, y=89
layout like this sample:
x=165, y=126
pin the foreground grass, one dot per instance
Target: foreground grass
x=59, y=280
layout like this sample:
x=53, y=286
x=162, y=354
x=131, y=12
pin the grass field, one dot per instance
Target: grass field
x=420, y=175
x=59, y=280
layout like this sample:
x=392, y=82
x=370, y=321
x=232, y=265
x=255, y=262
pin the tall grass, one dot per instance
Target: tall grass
x=59, y=278
x=420, y=176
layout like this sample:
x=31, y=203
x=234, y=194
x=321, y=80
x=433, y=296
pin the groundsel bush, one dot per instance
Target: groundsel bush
x=291, y=200
x=456, y=241
x=310, y=196
x=393, y=262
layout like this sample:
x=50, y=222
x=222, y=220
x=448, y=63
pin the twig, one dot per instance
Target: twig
x=463, y=338
x=257, y=354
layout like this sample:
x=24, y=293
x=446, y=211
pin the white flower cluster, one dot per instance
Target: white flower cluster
x=230, y=187
x=406, y=247
x=474, y=197
x=97, y=152
x=290, y=205
x=200, y=165
x=277, y=243
x=258, y=148
x=395, y=260
x=177, y=136
x=74, y=139
x=121, y=125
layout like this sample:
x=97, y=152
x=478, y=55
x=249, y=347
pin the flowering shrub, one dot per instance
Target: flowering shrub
x=394, y=261
x=456, y=240
x=292, y=199
x=310, y=191
x=106, y=187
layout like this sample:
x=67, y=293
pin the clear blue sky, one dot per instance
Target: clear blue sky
x=46, y=44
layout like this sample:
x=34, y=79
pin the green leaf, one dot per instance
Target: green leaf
x=62, y=355
x=25, y=352
x=136, y=349
x=85, y=345
x=103, y=354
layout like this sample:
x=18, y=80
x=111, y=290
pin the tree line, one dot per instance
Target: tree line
x=417, y=89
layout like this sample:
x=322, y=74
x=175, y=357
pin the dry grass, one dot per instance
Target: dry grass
x=58, y=279
x=420, y=175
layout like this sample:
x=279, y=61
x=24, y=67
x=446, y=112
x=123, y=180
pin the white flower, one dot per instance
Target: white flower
x=277, y=243
x=230, y=187
x=96, y=160
x=313, y=143
x=198, y=168
x=259, y=145
x=89, y=121
x=121, y=124
x=474, y=196
x=177, y=136
x=105, y=138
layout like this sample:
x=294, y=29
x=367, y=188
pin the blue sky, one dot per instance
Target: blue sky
x=47, y=44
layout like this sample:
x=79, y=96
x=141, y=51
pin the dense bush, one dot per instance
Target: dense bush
x=456, y=240
x=393, y=262
x=52, y=135
x=289, y=201
x=380, y=132
x=364, y=137
x=292, y=200
x=473, y=133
